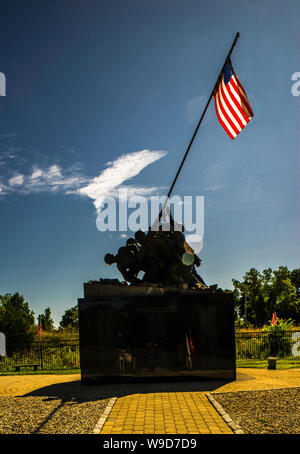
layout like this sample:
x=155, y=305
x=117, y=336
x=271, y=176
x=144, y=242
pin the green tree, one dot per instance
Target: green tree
x=286, y=302
x=70, y=318
x=250, y=298
x=261, y=294
x=16, y=321
x=46, y=320
x=295, y=279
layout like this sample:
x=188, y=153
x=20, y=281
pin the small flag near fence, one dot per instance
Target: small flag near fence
x=274, y=319
x=192, y=346
x=232, y=106
x=40, y=330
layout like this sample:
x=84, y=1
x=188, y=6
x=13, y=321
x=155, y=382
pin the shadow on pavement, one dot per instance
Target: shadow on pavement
x=76, y=392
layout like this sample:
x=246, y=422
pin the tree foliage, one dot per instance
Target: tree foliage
x=16, y=320
x=46, y=320
x=70, y=318
x=261, y=294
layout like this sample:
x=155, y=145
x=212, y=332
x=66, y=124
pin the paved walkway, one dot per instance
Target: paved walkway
x=167, y=408
x=165, y=413
x=188, y=412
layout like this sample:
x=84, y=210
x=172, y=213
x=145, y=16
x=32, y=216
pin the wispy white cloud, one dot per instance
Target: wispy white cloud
x=8, y=155
x=49, y=179
x=119, y=171
x=16, y=180
x=216, y=187
x=55, y=179
x=37, y=173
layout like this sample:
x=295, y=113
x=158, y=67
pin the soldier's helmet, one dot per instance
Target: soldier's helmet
x=140, y=236
x=109, y=259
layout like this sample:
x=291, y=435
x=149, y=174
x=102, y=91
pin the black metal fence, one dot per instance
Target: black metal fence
x=47, y=355
x=260, y=345
x=64, y=354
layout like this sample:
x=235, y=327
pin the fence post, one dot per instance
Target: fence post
x=41, y=355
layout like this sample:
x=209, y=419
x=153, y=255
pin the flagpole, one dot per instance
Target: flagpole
x=197, y=127
x=41, y=347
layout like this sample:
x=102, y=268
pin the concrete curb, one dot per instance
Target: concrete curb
x=235, y=427
x=104, y=416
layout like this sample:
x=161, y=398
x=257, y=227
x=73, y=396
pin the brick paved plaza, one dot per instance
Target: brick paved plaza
x=158, y=408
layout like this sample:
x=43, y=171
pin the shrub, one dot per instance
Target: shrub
x=278, y=343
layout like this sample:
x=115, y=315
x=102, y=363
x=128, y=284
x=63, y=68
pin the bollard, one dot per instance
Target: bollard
x=272, y=363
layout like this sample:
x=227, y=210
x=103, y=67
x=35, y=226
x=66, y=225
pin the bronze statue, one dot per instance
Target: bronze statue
x=163, y=255
x=127, y=264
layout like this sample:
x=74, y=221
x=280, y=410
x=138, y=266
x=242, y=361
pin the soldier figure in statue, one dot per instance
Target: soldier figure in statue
x=163, y=255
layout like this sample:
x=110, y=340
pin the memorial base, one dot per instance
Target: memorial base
x=138, y=333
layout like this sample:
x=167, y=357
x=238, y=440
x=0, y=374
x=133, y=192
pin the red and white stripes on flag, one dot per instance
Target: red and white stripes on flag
x=274, y=319
x=40, y=330
x=232, y=106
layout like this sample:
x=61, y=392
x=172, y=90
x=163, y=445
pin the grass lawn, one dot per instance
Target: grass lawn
x=251, y=363
x=43, y=372
x=263, y=364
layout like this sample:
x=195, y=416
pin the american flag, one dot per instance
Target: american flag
x=40, y=330
x=232, y=106
x=274, y=319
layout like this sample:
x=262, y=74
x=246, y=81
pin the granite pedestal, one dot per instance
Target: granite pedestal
x=137, y=333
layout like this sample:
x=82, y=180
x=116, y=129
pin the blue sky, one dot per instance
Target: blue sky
x=91, y=81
